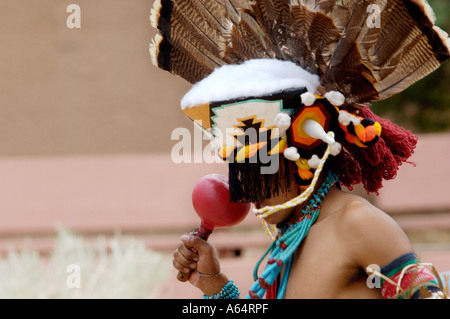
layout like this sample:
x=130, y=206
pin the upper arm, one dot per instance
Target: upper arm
x=371, y=236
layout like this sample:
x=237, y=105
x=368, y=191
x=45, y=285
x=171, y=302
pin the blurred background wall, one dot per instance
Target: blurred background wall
x=85, y=139
x=91, y=90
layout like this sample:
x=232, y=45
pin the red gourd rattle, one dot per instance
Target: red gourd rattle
x=211, y=201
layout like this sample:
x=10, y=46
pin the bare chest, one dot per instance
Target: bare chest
x=321, y=268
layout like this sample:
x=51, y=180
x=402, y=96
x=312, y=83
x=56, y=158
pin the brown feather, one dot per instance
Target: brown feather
x=246, y=43
x=177, y=61
x=395, y=56
x=278, y=10
x=174, y=20
x=327, y=37
x=190, y=39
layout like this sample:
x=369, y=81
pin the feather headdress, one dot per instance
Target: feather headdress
x=353, y=52
x=367, y=50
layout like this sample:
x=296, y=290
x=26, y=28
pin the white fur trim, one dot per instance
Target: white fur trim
x=334, y=97
x=283, y=122
x=291, y=154
x=314, y=161
x=251, y=78
x=345, y=118
x=308, y=98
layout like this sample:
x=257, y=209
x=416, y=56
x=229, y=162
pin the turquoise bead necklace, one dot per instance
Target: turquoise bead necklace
x=288, y=240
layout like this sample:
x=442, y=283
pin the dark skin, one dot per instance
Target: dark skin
x=349, y=235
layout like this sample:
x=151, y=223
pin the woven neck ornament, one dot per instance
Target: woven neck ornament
x=288, y=240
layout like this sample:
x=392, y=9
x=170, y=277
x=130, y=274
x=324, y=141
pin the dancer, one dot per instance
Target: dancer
x=284, y=89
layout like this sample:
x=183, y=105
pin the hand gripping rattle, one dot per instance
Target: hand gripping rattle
x=211, y=201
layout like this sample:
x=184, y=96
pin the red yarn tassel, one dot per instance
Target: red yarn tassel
x=401, y=142
x=379, y=161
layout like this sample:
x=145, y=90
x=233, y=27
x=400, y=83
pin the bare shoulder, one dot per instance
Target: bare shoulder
x=370, y=235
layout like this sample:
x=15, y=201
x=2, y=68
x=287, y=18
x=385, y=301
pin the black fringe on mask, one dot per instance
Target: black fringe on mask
x=249, y=184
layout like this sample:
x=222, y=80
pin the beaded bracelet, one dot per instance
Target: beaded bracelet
x=229, y=291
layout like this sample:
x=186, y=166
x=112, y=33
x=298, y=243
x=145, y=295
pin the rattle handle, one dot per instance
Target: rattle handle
x=202, y=232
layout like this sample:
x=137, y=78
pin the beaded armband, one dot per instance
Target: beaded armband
x=404, y=278
x=229, y=291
